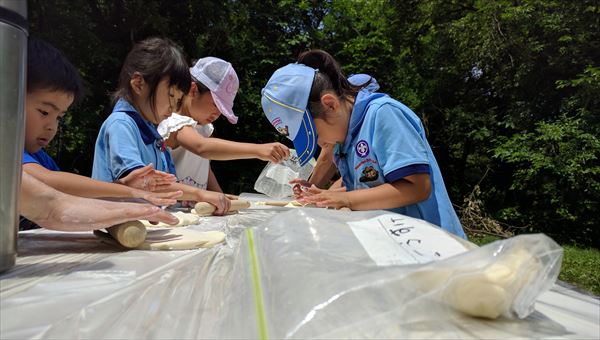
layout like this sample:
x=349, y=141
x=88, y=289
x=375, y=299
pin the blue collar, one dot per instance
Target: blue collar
x=147, y=129
x=359, y=111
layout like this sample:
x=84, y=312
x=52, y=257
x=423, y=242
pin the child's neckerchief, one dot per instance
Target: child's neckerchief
x=147, y=130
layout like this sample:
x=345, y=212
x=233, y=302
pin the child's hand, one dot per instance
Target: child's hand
x=159, y=198
x=333, y=198
x=148, y=179
x=299, y=187
x=218, y=199
x=273, y=152
x=69, y=212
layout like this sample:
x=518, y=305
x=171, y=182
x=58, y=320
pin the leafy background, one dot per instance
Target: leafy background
x=508, y=90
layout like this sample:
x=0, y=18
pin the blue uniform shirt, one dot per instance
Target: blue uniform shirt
x=386, y=142
x=127, y=141
x=41, y=158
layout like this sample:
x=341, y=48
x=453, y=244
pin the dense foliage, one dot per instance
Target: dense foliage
x=505, y=88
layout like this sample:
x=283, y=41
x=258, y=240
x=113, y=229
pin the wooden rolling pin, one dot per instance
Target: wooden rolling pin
x=129, y=234
x=207, y=209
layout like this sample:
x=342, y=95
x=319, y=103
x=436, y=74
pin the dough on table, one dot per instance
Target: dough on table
x=180, y=239
x=294, y=204
x=185, y=219
x=214, y=237
x=193, y=212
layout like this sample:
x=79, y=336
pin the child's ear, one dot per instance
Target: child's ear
x=137, y=83
x=193, y=90
x=330, y=102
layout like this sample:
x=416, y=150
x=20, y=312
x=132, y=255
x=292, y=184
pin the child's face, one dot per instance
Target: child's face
x=330, y=131
x=332, y=125
x=167, y=99
x=202, y=107
x=44, y=109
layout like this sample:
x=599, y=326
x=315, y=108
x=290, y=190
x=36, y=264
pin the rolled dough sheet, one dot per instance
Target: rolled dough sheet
x=180, y=239
x=185, y=219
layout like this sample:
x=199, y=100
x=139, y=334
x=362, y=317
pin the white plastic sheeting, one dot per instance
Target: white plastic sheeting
x=281, y=274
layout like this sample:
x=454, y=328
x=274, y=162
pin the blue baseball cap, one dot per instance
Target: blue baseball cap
x=285, y=103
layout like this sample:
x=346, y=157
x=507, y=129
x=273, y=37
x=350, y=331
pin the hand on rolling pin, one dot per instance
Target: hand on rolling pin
x=219, y=200
x=273, y=152
x=333, y=198
x=148, y=179
x=207, y=209
x=232, y=197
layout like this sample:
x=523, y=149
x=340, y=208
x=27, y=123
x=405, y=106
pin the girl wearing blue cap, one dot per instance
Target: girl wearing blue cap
x=380, y=147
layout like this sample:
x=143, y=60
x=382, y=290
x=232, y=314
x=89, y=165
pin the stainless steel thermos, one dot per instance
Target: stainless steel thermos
x=13, y=66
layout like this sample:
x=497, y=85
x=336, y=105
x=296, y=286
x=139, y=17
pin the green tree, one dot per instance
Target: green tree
x=508, y=88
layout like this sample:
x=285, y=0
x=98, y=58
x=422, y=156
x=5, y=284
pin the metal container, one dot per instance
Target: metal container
x=13, y=63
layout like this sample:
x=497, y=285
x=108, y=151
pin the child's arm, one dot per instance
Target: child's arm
x=409, y=190
x=212, y=184
x=55, y=210
x=220, y=149
x=325, y=167
x=86, y=187
x=148, y=179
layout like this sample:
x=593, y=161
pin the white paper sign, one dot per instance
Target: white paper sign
x=394, y=239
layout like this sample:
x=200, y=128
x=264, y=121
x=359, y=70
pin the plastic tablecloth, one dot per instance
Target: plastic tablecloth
x=72, y=285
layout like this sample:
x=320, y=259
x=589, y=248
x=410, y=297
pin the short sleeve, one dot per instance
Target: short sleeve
x=173, y=124
x=28, y=158
x=400, y=148
x=41, y=158
x=205, y=130
x=123, y=151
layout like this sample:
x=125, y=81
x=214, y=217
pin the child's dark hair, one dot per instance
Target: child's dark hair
x=154, y=58
x=201, y=87
x=49, y=69
x=328, y=78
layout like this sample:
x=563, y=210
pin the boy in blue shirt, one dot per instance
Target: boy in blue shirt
x=53, y=84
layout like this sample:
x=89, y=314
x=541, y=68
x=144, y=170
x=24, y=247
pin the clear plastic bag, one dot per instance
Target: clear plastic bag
x=274, y=180
x=309, y=274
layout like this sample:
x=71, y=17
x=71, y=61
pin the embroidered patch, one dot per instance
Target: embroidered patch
x=283, y=130
x=362, y=148
x=277, y=124
x=369, y=174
